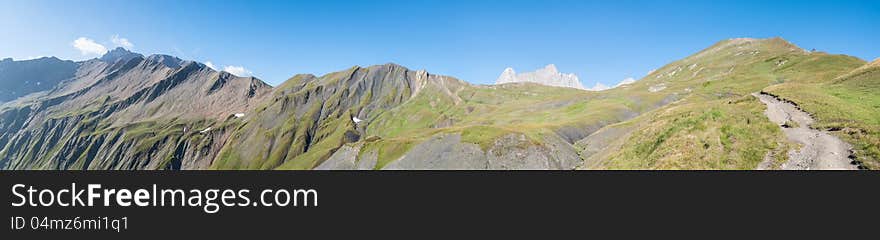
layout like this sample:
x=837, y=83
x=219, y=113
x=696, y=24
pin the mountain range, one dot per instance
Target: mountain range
x=129, y=111
x=548, y=75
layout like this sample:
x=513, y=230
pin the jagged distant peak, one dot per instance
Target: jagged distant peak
x=119, y=50
x=35, y=59
x=119, y=54
x=551, y=68
x=548, y=75
x=122, y=54
x=167, y=60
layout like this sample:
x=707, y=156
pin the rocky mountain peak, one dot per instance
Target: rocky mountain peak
x=169, y=61
x=548, y=75
x=551, y=68
x=20, y=78
x=119, y=54
x=507, y=76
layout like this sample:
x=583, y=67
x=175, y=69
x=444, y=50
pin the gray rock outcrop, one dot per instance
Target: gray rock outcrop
x=548, y=75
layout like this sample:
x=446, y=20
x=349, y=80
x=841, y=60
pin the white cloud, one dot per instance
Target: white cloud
x=626, y=81
x=121, y=42
x=238, y=71
x=599, y=87
x=88, y=46
x=211, y=65
x=235, y=70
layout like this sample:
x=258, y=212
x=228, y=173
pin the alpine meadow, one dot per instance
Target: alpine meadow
x=739, y=104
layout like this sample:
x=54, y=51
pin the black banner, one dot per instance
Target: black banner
x=398, y=203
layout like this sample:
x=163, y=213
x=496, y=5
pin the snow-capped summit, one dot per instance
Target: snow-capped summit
x=548, y=75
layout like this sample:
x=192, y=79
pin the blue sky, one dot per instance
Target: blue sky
x=600, y=41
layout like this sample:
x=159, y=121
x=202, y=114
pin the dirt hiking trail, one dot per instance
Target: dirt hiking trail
x=819, y=150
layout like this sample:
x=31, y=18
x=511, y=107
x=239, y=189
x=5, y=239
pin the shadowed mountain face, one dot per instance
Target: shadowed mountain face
x=127, y=111
x=20, y=78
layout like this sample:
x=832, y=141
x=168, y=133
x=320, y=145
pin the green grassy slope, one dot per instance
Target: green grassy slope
x=481, y=114
x=309, y=117
x=849, y=105
x=695, y=113
x=717, y=124
x=711, y=135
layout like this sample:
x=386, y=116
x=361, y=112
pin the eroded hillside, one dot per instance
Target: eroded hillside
x=126, y=111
